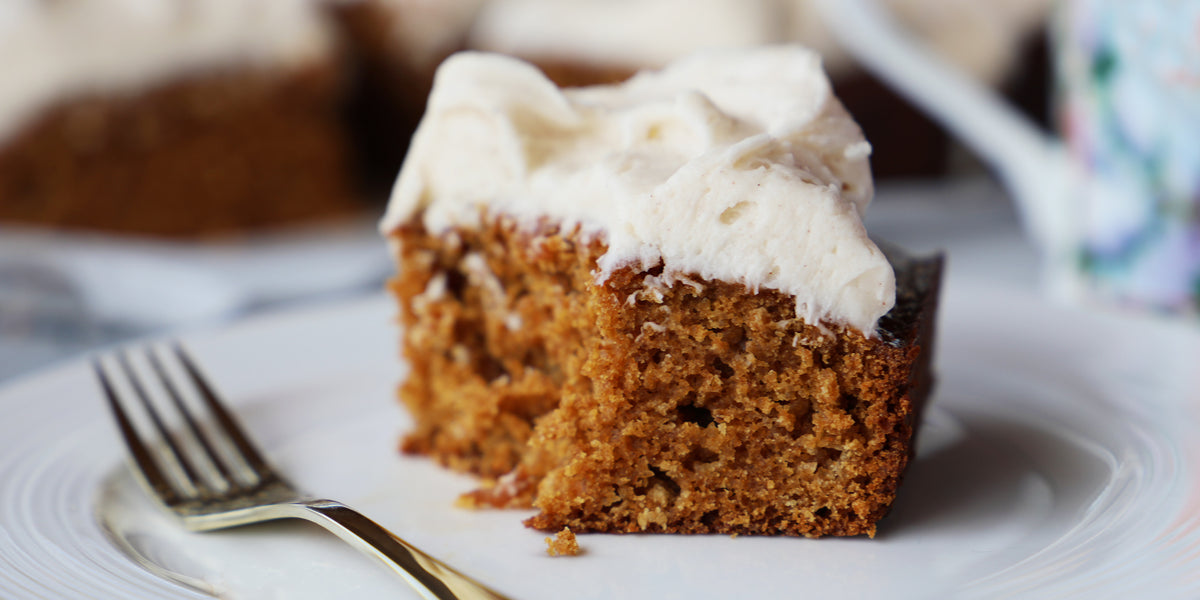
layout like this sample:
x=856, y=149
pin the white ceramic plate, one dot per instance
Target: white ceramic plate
x=153, y=282
x=1060, y=457
x=62, y=292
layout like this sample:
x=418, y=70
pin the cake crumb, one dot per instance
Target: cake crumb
x=562, y=544
x=469, y=501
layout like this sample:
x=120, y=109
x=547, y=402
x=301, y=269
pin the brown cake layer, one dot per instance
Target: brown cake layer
x=580, y=74
x=211, y=153
x=632, y=406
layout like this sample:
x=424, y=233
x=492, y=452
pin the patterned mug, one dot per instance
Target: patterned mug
x=1114, y=197
x=1128, y=91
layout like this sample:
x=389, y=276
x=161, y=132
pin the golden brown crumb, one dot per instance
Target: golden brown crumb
x=631, y=405
x=468, y=502
x=562, y=544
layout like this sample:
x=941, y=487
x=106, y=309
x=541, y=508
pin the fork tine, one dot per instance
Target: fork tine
x=137, y=449
x=189, y=471
x=223, y=418
x=223, y=473
x=272, y=498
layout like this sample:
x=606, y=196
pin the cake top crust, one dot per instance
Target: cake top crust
x=733, y=165
x=54, y=50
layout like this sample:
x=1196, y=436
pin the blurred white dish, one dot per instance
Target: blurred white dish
x=149, y=283
x=1059, y=458
x=63, y=293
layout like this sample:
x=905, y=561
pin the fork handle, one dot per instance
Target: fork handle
x=433, y=579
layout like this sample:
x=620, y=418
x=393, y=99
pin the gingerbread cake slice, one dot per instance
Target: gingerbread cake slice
x=171, y=117
x=652, y=306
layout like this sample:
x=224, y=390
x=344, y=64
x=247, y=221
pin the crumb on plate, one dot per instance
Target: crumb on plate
x=562, y=544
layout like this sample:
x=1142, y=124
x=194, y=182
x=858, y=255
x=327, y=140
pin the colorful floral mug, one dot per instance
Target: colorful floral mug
x=1114, y=197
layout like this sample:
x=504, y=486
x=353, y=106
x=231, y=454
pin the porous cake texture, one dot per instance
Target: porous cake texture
x=622, y=385
x=563, y=544
x=699, y=408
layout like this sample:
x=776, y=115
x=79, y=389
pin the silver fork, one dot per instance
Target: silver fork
x=240, y=488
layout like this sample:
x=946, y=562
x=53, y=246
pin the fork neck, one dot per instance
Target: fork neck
x=435, y=580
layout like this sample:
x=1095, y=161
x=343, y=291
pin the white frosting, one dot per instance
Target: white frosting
x=53, y=50
x=738, y=166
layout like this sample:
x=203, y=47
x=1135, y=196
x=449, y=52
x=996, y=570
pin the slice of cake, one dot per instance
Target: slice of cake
x=171, y=117
x=653, y=306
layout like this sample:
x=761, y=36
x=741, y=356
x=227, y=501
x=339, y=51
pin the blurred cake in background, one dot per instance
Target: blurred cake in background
x=585, y=42
x=589, y=42
x=170, y=117
x=396, y=46
x=174, y=117
x=1000, y=43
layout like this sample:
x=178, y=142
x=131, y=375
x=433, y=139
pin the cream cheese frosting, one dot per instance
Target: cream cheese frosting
x=734, y=165
x=59, y=49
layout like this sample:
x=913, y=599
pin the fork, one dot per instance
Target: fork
x=217, y=493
